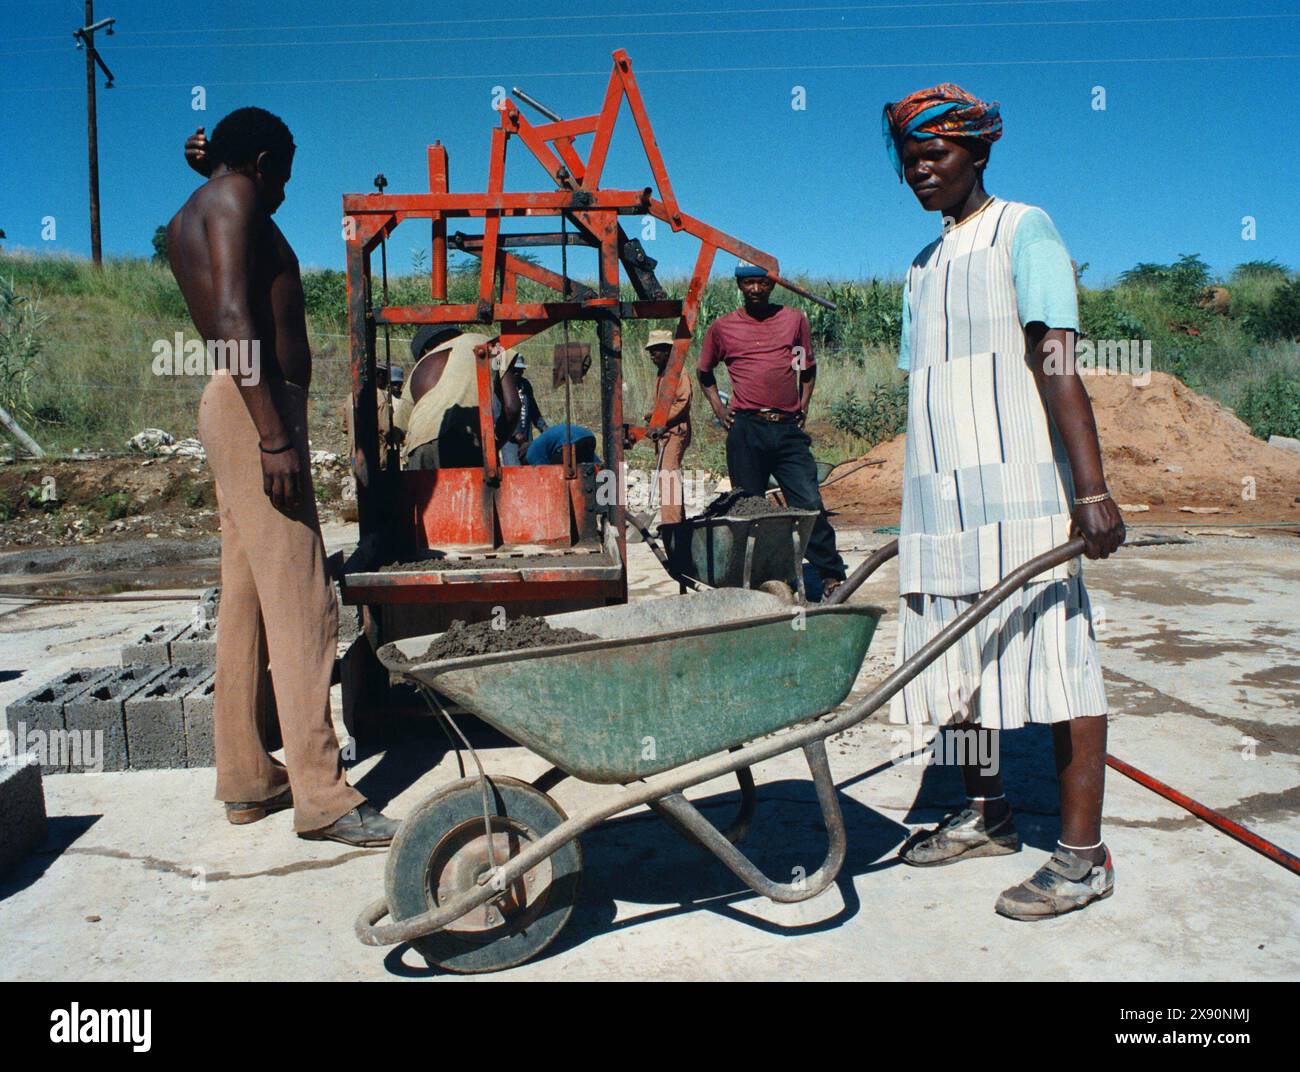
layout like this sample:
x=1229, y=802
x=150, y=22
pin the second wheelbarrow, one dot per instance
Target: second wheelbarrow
x=739, y=550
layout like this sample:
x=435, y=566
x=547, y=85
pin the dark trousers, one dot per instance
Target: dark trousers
x=758, y=449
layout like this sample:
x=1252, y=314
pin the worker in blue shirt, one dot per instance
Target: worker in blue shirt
x=548, y=448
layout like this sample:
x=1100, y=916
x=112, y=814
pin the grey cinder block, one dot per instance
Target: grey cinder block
x=196, y=707
x=151, y=648
x=197, y=644
x=208, y=604
x=22, y=809
x=155, y=719
x=35, y=722
x=101, y=709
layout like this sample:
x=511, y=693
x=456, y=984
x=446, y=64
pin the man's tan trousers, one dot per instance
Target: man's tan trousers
x=276, y=604
x=671, y=504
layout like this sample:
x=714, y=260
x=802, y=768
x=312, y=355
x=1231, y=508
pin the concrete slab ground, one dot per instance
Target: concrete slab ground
x=142, y=878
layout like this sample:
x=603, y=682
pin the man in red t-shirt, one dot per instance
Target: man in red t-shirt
x=768, y=353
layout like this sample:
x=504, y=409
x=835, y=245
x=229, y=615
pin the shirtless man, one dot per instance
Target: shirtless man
x=240, y=281
x=438, y=414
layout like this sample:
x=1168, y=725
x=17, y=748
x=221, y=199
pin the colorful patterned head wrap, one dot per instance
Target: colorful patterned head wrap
x=943, y=111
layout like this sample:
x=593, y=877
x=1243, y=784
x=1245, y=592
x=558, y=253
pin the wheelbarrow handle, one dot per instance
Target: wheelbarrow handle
x=953, y=631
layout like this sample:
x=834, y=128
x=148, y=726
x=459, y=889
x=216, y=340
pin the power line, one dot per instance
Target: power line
x=596, y=17
x=763, y=69
x=741, y=30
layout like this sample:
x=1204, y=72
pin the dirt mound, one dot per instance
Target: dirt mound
x=873, y=494
x=1164, y=446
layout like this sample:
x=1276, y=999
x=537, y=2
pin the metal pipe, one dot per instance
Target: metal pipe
x=27, y=442
x=1246, y=836
x=532, y=102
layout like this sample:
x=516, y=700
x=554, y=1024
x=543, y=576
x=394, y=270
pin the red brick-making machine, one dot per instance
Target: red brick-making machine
x=535, y=539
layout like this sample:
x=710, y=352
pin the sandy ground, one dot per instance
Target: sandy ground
x=142, y=878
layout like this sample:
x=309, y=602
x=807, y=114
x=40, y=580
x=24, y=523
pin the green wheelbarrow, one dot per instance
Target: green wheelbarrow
x=672, y=693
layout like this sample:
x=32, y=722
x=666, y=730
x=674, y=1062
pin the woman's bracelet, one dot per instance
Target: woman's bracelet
x=1088, y=500
x=278, y=450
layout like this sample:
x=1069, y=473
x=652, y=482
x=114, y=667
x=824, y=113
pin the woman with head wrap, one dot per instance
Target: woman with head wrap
x=1002, y=463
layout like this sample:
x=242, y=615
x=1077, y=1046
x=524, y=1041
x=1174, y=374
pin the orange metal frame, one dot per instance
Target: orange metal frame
x=492, y=505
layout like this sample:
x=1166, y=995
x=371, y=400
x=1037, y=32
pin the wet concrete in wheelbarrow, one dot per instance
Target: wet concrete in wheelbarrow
x=483, y=638
x=738, y=505
x=181, y=894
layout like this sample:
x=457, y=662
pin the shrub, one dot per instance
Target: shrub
x=116, y=505
x=1103, y=314
x=1272, y=407
x=1177, y=285
x=325, y=294
x=1279, y=318
x=876, y=418
x=1259, y=270
x=20, y=346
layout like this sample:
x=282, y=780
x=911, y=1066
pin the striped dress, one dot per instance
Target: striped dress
x=986, y=481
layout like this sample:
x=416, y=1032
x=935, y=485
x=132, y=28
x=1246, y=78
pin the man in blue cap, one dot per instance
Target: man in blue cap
x=767, y=349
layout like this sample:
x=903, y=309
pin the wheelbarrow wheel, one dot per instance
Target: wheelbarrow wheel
x=442, y=850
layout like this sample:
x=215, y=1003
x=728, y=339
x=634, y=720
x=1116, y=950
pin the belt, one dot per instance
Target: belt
x=775, y=416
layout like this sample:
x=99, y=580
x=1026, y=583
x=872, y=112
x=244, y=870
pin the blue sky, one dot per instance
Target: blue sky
x=1191, y=140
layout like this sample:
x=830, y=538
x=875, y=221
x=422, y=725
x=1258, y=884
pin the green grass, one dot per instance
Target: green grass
x=89, y=383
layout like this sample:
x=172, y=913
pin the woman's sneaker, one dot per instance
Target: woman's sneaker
x=962, y=836
x=1065, y=883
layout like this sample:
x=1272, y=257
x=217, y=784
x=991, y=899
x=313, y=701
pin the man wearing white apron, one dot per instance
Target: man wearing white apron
x=1002, y=464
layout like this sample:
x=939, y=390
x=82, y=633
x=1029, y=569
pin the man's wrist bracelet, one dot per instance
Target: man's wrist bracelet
x=278, y=450
x=1088, y=500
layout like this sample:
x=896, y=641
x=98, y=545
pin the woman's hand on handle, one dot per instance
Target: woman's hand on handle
x=1101, y=525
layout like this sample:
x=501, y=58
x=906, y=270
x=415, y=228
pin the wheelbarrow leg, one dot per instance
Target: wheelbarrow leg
x=798, y=564
x=686, y=818
x=739, y=827
x=549, y=779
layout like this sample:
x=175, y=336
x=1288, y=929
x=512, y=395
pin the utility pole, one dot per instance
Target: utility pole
x=85, y=38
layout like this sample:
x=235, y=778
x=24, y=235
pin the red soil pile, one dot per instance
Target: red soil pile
x=1164, y=446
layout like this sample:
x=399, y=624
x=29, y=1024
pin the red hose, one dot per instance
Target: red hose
x=1275, y=853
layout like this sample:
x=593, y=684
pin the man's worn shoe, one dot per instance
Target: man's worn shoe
x=364, y=826
x=829, y=584
x=1065, y=883
x=962, y=836
x=251, y=811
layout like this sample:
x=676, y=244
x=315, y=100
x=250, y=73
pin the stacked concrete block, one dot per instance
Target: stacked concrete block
x=196, y=708
x=101, y=709
x=153, y=647
x=35, y=722
x=208, y=604
x=155, y=719
x=197, y=644
x=22, y=809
